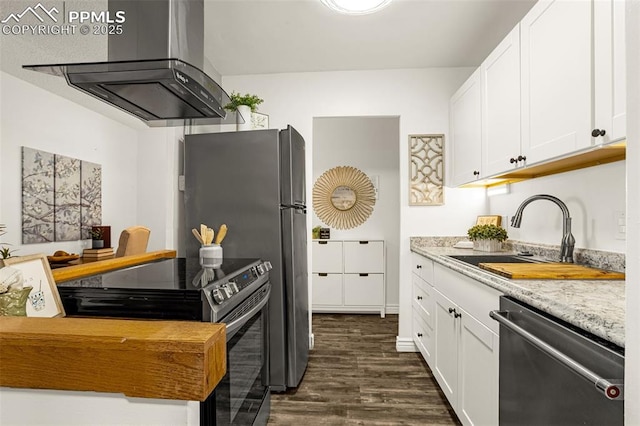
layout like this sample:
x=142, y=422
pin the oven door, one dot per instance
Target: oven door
x=242, y=397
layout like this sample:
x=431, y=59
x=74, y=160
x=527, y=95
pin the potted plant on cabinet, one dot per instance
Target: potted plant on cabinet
x=487, y=237
x=97, y=240
x=244, y=105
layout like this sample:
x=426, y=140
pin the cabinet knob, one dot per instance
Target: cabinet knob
x=419, y=298
x=419, y=334
x=513, y=160
x=418, y=266
x=598, y=132
x=476, y=173
x=451, y=310
x=457, y=314
x=522, y=158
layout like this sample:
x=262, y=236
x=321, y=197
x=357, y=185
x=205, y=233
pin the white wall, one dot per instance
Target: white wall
x=632, y=362
x=419, y=96
x=369, y=144
x=37, y=119
x=592, y=195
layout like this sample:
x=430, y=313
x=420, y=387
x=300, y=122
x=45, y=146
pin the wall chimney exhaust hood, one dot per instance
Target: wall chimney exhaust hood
x=154, y=67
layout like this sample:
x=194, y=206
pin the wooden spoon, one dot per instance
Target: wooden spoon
x=222, y=232
x=195, y=233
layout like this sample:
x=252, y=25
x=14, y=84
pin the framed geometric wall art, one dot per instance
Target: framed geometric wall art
x=426, y=170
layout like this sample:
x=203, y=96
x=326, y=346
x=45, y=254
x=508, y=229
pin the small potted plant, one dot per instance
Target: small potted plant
x=244, y=105
x=487, y=237
x=97, y=240
x=5, y=252
x=315, y=232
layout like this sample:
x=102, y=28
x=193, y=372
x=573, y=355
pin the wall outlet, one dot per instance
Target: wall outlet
x=620, y=223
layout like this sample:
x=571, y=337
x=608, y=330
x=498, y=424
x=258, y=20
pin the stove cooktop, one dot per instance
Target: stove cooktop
x=166, y=289
x=168, y=274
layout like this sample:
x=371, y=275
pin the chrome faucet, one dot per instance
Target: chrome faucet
x=566, y=246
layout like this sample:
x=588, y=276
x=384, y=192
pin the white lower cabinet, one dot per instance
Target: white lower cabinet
x=348, y=276
x=457, y=338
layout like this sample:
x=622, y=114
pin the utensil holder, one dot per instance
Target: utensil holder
x=211, y=256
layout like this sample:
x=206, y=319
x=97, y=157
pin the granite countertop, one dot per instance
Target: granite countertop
x=597, y=306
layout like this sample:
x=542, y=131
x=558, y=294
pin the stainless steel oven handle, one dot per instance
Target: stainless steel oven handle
x=234, y=326
x=611, y=388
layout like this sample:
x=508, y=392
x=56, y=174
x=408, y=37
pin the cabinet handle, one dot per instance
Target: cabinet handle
x=476, y=173
x=323, y=274
x=419, y=297
x=419, y=334
x=323, y=242
x=598, y=132
x=418, y=266
x=364, y=275
x=522, y=158
x=456, y=314
x=364, y=242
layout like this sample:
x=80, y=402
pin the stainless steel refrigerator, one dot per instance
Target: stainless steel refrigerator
x=254, y=181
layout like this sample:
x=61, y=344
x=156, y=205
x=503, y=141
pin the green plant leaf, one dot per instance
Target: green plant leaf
x=252, y=101
x=487, y=232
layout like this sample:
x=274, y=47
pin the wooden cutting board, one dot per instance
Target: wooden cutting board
x=550, y=271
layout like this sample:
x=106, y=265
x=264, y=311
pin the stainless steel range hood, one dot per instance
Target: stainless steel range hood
x=154, y=67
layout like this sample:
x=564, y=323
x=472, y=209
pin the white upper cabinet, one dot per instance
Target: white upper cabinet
x=500, y=74
x=609, y=68
x=556, y=78
x=466, y=131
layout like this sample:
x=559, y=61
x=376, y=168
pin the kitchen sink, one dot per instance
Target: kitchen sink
x=475, y=260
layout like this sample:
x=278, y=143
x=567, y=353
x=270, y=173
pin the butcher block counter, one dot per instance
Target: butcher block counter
x=81, y=270
x=177, y=360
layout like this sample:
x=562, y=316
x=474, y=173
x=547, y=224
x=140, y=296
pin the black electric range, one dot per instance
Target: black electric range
x=174, y=289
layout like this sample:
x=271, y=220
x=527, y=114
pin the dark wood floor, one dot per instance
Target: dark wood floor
x=356, y=377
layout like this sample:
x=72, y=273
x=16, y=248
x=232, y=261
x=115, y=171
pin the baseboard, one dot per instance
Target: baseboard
x=393, y=309
x=405, y=344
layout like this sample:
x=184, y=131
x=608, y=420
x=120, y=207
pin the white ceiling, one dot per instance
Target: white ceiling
x=279, y=36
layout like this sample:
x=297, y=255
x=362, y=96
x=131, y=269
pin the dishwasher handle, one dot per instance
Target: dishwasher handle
x=611, y=388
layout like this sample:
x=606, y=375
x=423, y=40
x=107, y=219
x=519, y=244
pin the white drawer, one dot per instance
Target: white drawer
x=363, y=289
x=364, y=257
x=326, y=290
x=474, y=297
x=327, y=256
x=423, y=299
x=422, y=337
x=422, y=266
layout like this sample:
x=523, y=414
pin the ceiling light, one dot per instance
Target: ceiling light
x=356, y=7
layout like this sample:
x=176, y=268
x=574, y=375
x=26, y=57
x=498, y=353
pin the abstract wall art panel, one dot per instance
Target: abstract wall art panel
x=61, y=197
x=37, y=196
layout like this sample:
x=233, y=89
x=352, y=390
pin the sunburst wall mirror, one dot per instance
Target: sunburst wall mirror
x=343, y=197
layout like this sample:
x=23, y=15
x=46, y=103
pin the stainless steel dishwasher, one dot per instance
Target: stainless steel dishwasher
x=552, y=373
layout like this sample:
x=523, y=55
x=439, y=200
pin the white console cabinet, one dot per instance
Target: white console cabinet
x=348, y=276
